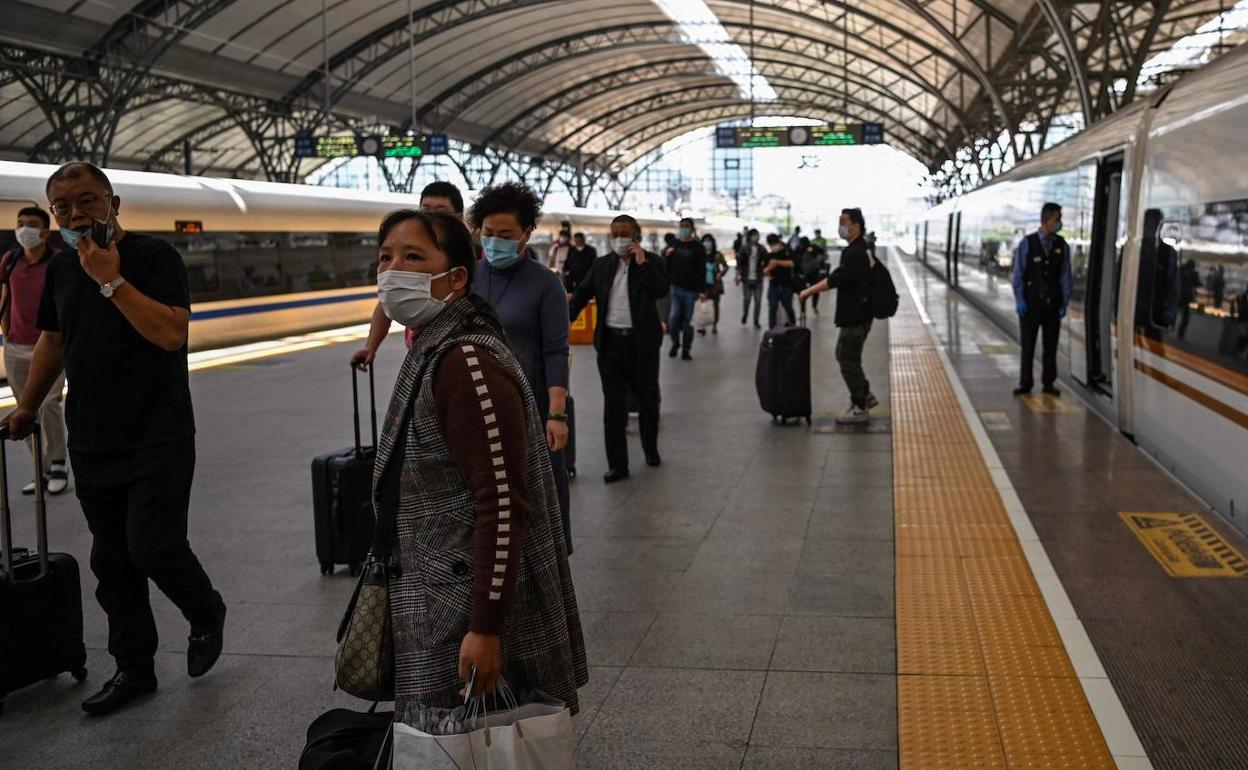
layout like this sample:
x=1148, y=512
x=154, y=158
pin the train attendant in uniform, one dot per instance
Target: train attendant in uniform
x=533, y=306
x=114, y=319
x=627, y=288
x=22, y=271
x=483, y=579
x=442, y=197
x=1042, y=286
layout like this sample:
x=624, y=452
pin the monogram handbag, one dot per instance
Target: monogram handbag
x=364, y=663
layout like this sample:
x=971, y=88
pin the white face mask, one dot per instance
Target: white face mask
x=28, y=237
x=843, y=231
x=406, y=297
x=621, y=246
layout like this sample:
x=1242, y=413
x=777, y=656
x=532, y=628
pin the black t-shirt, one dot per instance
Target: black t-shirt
x=124, y=392
x=780, y=276
x=686, y=266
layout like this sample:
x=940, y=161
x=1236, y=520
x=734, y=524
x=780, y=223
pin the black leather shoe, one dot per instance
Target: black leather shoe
x=204, y=645
x=672, y=353
x=685, y=356
x=653, y=459
x=1021, y=391
x=118, y=691
x=615, y=474
x=1051, y=391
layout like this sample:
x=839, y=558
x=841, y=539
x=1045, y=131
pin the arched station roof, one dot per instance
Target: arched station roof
x=605, y=81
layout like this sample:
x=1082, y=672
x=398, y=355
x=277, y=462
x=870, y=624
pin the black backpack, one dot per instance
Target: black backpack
x=884, y=297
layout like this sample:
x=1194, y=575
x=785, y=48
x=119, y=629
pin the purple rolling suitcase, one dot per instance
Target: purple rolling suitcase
x=783, y=374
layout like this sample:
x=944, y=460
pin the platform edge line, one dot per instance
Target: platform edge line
x=1119, y=734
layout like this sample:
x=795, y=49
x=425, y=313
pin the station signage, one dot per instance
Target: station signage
x=827, y=135
x=370, y=145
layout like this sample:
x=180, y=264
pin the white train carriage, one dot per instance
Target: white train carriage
x=266, y=260
x=1178, y=381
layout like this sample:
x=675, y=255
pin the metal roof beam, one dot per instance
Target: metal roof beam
x=517, y=130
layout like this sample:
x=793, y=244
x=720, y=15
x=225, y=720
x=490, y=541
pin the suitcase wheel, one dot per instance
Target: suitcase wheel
x=79, y=674
x=572, y=472
x=355, y=568
x=327, y=568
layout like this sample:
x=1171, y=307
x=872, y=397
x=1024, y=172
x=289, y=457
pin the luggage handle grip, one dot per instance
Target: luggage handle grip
x=355, y=402
x=41, y=510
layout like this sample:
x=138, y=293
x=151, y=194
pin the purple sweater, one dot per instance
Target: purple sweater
x=531, y=301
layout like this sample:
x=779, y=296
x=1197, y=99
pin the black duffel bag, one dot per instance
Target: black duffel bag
x=342, y=739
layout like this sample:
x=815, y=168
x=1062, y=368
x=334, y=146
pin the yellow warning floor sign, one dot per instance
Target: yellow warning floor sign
x=1185, y=545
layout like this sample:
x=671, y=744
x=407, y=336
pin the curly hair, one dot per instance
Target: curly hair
x=507, y=198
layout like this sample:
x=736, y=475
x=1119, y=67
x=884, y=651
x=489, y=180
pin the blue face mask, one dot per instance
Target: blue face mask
x=500, y=252
x=685, y=232
x=1057, y=228
x=71, y=237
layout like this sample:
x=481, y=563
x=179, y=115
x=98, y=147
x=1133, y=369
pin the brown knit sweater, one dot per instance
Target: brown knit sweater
x=481, y=413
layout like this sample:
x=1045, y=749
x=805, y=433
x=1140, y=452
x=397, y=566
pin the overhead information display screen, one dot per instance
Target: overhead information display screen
x=831, y=134
x=370, y=145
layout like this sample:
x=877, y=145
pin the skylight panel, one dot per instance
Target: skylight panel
x=701, y=27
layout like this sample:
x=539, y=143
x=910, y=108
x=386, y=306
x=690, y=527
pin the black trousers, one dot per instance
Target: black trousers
x=1031, y=324
x=136, y=505
x=623, y=368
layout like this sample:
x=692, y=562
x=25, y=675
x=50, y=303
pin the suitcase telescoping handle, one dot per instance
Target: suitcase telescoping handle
x=355, y=401
x=6, y=511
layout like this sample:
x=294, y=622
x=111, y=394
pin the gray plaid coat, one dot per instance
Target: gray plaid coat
x=430, y=604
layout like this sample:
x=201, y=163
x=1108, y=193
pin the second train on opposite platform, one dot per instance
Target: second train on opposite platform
x=266, y=260
x=1155, y=207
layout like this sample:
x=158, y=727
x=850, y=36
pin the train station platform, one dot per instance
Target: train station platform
x=953, y=587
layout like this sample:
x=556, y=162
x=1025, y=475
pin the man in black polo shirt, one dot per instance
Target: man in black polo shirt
x=115, y=319
x=852, y=280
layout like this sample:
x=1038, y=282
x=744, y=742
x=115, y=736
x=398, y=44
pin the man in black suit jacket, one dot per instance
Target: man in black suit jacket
x=627, y=339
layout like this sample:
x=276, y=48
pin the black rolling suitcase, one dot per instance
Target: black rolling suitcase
x=40, y=600
x=783, y=374
x=342, y=486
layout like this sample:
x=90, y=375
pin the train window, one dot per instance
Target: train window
x=1192, y=288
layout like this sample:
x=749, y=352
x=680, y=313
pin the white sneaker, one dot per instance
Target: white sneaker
x=855, y=415
x=872, y=401
x=58, y=479
x=29, y=489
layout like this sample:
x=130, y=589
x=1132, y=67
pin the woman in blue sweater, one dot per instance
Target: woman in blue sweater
x=533, y=305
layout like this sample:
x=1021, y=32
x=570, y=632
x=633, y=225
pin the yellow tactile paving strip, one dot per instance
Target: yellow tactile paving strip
x=983, y=678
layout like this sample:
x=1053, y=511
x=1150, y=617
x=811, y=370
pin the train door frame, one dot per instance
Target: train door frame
x=923, y=252
x=1101, y=316
x=949, y=247
x=957, y=244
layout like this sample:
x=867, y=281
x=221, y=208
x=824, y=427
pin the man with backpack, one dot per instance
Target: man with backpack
x=854, y=312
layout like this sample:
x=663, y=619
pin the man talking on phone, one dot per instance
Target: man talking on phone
x=628, y=339
x=114, y=317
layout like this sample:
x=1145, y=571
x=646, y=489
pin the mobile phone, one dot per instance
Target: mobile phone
x=99, y=233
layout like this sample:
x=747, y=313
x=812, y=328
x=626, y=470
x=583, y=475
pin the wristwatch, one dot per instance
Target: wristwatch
x=558, y=417
x=107, y=289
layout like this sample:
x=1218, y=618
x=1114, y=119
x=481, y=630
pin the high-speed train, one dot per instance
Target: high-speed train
x=1155, y=208
x=266, y=260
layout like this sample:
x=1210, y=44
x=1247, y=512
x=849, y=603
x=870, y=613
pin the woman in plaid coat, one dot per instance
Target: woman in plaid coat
x=483, y=577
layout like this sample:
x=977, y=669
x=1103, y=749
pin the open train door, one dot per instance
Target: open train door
x=1104, y=263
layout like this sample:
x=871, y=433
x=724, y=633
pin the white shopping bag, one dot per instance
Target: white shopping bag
x=535, y=736
x=704, y=314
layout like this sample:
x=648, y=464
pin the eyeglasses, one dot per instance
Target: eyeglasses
x=86, y=203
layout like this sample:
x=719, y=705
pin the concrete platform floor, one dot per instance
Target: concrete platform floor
x=738, y=601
